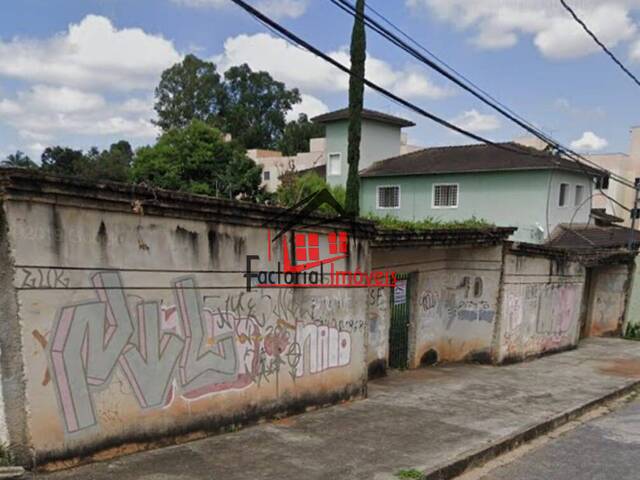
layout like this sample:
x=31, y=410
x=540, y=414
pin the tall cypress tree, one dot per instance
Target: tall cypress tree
x=356, y=98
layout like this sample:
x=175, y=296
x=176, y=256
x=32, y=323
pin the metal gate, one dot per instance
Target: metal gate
x=399, y=330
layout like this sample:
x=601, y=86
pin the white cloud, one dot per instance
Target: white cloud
x=273, y=8
x=500, y=23
x=589, y=142
x=634, y=52
x=477, y=122
x=299, y=68
x=92, y=54
x=310, y=105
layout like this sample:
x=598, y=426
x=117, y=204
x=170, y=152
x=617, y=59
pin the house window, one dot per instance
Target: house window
x=307, y=247
x=564, y=192
x=266, y=175
x=389, y=196
x=335, y=164
x=579, y=195
x=445, y=196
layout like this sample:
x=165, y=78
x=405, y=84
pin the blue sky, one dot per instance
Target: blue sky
x=82, y=72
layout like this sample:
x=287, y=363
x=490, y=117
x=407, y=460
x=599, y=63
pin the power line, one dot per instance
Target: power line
x=292, y=37
x=505, y=111
x=597, y=40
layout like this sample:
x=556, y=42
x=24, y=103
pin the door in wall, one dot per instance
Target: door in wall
x=399, y=329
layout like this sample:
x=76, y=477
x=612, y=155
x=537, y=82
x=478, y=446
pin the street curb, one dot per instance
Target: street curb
x=482, y=455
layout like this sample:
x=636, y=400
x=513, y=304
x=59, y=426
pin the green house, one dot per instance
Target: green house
x=510, y=185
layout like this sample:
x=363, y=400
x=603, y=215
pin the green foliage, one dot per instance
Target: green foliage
x=633, y=332
x=393, y=223
x=255, y=107
x=18, y=160
x=410, y=474
x=356, y=99
x=297, y=134
x=112, y=164
x=64, y=161
x=251, y=106
x=295, y=187
x=190, y=90
x=196, y=159
x=6, y=459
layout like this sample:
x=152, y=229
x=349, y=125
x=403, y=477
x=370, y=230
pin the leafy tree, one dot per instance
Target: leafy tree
x=19, y=160
x=113, y=164
x=295, y=187
x=64, y=161
x=255, y=107
x=356, y=98
x=197, y=159
x=190, y=90
x=298, y=133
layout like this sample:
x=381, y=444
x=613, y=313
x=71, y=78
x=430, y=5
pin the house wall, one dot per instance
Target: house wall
x=453, y=301
x=608, y=300
x=517, y=199
x=541, y=305
x=133, y=328
x=379, y=141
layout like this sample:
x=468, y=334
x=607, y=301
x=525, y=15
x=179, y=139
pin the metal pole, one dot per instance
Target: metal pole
x=635, y=212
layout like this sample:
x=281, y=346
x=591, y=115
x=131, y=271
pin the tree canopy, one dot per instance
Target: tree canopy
x=197, y=159
x=18, y=160
x=297, y=134
x=189, y=90
x=112, y=164
x=256, y=107
x=251, y=106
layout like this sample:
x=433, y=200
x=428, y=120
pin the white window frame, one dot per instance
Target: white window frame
x=378, y=207
x=329, y=173
x=567, y=197
x=433, y=195
x=575, y=195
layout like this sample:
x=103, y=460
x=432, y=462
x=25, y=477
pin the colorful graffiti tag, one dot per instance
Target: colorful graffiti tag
x=186, y=349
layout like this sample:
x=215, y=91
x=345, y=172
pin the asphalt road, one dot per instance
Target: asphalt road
x=607, y=448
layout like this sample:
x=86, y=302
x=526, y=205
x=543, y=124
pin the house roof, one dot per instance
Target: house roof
x=589, y=237
x=603, y=218
x=473, y=158
x=366, y=115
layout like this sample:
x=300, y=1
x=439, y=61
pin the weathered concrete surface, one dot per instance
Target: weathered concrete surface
x=422, y=419
x=603, y=449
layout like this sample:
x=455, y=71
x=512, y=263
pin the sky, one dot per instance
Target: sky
x=82, y=73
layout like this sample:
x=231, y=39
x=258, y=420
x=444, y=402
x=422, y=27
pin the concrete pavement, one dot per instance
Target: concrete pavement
x=602, y=449
x=436, y=420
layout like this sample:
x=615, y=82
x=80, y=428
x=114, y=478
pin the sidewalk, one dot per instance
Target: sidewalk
x=421, y=419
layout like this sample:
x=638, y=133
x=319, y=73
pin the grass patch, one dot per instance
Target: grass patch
x=392, y=223
x=633, y=332
x=410, y=474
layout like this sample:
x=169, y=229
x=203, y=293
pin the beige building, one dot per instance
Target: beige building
x=625, y=165
x=274, y=164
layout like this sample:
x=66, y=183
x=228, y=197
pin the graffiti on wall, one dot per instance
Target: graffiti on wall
x=466, y=301
x=545, y=312
x=188, y=349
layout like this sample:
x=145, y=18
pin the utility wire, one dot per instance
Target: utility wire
x=505, y=111
x=597, y=40
x=292, y=37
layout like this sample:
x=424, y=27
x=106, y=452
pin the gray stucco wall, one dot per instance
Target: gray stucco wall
x=137, y=327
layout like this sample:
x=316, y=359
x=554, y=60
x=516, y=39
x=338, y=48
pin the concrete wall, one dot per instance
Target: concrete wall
x=379, y=304
x=133, y=328
x=608, y=300
x=379, y=141
x=510, y=199
x=633, y=309
x=453, y=302
x=540, y=307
